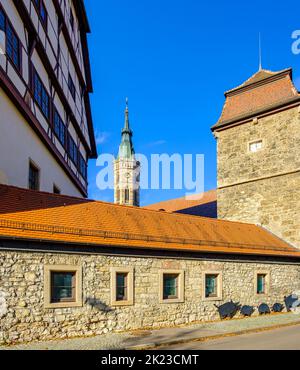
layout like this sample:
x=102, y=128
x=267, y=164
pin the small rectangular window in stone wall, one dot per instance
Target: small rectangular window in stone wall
x=261, y=283
x=122, y=288
x=255, y=146
x=62, y=286
x=171, y=286
x=212, y=286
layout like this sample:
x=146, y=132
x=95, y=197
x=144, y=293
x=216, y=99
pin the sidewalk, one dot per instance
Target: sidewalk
x=147, y=339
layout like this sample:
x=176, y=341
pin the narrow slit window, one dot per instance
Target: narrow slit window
x=211, y=286
x=122, y=287
x=126, y=195
x=33, y=177
x=261, y=283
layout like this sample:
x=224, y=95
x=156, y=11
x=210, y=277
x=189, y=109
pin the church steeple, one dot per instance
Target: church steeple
x=127, y=168
x=126, y=149
x=126, y=126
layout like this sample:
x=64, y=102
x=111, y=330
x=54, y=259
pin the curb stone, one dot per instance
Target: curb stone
x=154, y=345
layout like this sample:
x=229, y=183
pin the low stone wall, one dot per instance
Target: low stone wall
x=24, y=318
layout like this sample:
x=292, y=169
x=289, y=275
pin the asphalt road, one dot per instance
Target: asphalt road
x=278, y=339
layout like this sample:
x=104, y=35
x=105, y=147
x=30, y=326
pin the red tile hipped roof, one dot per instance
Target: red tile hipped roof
x=264, y=90
x=30, y=215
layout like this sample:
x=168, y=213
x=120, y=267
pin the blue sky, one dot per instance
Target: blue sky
x=174, y=59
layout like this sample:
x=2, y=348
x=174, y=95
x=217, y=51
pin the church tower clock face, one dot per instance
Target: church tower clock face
x=127, y=187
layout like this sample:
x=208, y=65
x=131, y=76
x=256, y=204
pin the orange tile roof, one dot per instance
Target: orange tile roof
x=26, y=214
x=179, y=204
x=264, y=90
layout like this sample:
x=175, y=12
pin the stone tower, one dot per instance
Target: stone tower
x=127, y=169
x=258, y=144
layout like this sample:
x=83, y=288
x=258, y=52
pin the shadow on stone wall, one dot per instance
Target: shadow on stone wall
x=98, y=304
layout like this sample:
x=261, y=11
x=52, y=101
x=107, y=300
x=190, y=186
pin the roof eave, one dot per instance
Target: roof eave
x=212, y=250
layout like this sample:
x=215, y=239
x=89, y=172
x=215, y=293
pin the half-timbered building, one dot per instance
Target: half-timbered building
x=46, y=128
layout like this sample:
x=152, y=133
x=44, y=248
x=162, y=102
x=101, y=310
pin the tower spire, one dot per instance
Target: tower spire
x=259, y=52
x=126, y=149
x=127, y=168
x=126, y=126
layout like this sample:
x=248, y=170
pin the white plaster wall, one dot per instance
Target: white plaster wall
x=18, y=144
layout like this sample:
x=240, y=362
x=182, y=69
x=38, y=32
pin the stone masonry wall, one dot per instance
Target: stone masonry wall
x=274, y=204
x=24, y=318
x=262, y=187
